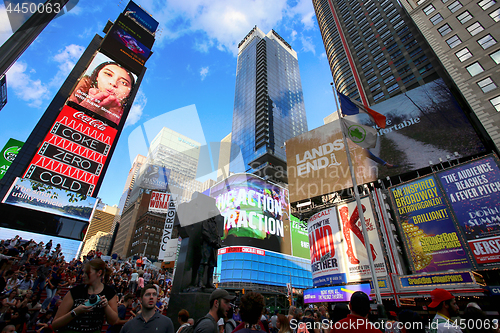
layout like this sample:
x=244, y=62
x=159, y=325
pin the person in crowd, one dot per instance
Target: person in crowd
x=148, y=320
x=25, y=285
x=132, y=284
x=291, y=312
x=251, y=307
x=339, y=312
x=283, y=324
x=357, y=320
x=124, y=314
x=81, y=310
x=411, y=322
x=53, y=284
x=44, y=324
x=229, y=322
x=9, y=329
x=219, y=303
x=182, y=318
x=10, y=301
x=446, y=305
x=474, y=314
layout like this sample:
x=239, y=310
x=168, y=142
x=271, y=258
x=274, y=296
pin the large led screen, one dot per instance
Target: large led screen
x=256, y=213
x=423, y=124
x=473, y=191
x=141, y=16
x=300, y=238
x=39, y=196
x=431, y=239
x=104, y=89
x=335, y=294
x=73, y=152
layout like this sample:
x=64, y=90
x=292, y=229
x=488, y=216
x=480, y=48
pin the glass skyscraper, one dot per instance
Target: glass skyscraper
x=268, y=104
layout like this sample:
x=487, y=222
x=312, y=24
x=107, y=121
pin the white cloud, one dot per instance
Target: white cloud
x=32, y=91
x=307, y=44
x=67, y=59
x=135, y=113
x=204, y=73
x=294, y=35
x=224, y=23
x=323, y=55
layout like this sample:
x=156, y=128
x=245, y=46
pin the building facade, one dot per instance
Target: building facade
x=464, y=35
x=268, y=104
x=374, y=49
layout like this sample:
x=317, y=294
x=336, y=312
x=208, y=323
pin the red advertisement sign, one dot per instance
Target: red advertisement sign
x=242, y=249
x=159, y=202
x=73, y=152
x=486, y=250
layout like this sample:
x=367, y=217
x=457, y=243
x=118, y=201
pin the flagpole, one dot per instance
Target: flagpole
x=360, y=211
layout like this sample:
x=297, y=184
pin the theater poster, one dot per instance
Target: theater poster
x=473, y=192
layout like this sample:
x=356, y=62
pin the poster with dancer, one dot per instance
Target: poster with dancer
x=357, y=262
x=327, y=259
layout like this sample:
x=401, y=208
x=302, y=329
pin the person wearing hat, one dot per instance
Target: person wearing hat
x=357, y=320
x=445, y=304
x=219, y=305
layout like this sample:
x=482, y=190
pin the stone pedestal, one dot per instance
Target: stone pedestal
x=197, y=305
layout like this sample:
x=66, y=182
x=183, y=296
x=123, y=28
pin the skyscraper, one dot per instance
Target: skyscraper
x=374, y=49
x=464, y=35
x=268, y=104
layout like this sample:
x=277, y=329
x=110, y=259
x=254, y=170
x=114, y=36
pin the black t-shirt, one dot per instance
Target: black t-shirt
x=91, y=321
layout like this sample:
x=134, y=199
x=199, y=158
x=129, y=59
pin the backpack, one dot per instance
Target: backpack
x=191, y=328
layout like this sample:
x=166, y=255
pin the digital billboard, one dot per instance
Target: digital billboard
x=256, y=213
x=103, y=89
x=431, y=239
x=422, y=125
x=327, y=254
x=73, y=152
x=356, y=257
x=8, y=154
x=473, y=192
x=153, y=177
x=141, y=16
x=300, y=238
x=123, y=43
x=38, y=196
x=317, y=163
x=335, y=294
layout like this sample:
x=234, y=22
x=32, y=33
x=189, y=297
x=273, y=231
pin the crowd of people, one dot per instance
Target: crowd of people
x=42, y=292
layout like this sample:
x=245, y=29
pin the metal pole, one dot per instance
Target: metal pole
x=360, y=209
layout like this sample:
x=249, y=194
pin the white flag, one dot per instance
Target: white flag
x=364, y=136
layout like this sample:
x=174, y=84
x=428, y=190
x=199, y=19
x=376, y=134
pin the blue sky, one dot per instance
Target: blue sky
x=193, y=65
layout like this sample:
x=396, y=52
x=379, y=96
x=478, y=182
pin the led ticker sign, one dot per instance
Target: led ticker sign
x=73, y=152
x=335, y=294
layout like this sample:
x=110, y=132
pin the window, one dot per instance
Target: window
x=495, y=15
x=425, y=69
x=393, y=87
x=453, y=41
x=475, y=28
x=385, y=71
x=496, y=103
x=436, y=19
x=375, y=87
x=404, y=70
x=474, y=69
x=464, y=17
x=487, y=41
x=455, y=6
x=388, y=79
x=496, y=57
x=444, y=30
x=487, y=84
x=372, y=79
x=408, y=78
x=381, y=94
x=463, y=54
x=415, y=52
x=485, y=4
x=429, y=9
x=399, y=62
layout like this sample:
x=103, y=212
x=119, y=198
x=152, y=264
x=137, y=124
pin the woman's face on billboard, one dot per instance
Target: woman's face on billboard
x=114, y=80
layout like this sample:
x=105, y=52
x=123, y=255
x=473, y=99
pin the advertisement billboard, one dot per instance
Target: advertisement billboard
x=123, y=43
x=473, y=192
x=159, y=202
x=419, y=126
x=429, y=233
x=141, y=16
x=300, y=238
x=357, y=262
x=103, y=89
x=38, y=196
x=73, y=152
x=317, y=163
x=8, y=154
x=153, y=177
x=327, y=254
x=256, y=213
x=335, y=294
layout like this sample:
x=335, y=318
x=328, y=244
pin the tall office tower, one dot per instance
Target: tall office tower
x=102, y=221
x=464, y=35
x=268, y=104
x=224, y=158
x=374, y=49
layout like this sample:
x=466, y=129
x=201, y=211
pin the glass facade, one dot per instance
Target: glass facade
x=269, y=103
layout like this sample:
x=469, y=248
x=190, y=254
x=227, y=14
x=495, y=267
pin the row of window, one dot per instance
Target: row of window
x=456, y=5
x=485, y=42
